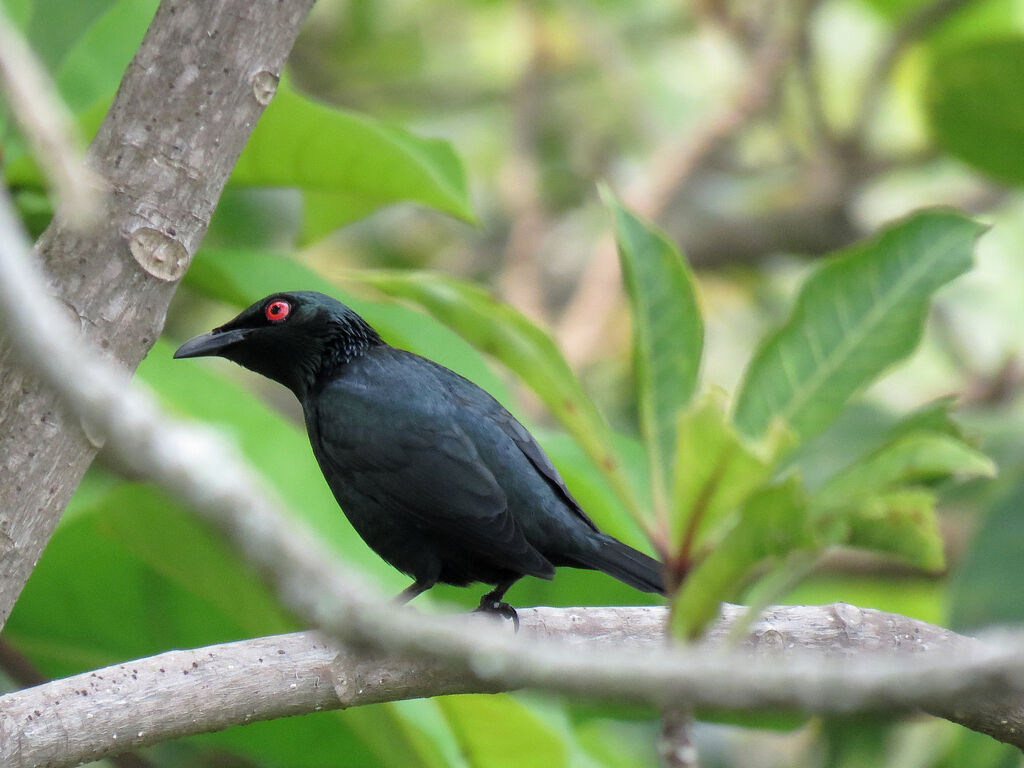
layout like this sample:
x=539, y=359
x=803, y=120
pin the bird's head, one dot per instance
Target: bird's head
x=291, y=338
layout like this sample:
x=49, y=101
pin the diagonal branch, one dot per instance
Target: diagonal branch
x=143, y=702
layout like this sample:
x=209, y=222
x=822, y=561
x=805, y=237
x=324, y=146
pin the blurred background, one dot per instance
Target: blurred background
x=759, y=136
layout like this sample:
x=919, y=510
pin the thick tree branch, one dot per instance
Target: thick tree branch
x=143, y=702
x=185, y=108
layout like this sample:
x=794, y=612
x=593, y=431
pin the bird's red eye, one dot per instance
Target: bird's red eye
x=278, y=310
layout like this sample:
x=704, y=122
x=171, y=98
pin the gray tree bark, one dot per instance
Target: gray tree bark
x=185, y=108
x=143, y=702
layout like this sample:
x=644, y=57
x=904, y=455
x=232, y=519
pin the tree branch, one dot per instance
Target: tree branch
x=150, y=700
x=183, y=112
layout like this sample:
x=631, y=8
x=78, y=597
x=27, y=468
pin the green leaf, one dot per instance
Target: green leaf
x=90, y=70
x=95, y=64
x=50, y=40
x=348, y=164
x=935, y=417
x=20, y=13
x=872, y=503
x=668, y=334
x=716, y=470
x=490, y=729
x=500, y=330
x=909, y=459
x=773, y=523
x=984, y=589
x=975, y=106
x=860, y=312
x=900, y=523
x=863, y=427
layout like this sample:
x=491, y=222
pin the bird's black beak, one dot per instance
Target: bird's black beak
x=212, y=343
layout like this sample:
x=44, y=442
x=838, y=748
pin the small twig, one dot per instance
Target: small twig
x=676, y=747
x=47, y=125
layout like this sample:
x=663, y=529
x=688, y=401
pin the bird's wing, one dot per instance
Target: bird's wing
x=522, y=438
x=418, y=462
x=482, y=406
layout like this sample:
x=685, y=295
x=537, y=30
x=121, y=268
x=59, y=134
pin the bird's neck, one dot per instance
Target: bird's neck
x=346, y=342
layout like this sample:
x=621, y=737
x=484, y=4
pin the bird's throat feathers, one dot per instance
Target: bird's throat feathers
x=349, y=338
x=339, y=341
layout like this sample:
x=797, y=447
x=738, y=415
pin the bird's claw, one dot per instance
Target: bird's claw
x=499, y=608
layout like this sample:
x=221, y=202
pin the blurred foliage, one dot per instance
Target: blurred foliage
x=758, y=136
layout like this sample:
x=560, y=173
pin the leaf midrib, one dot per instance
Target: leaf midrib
x=881, y=309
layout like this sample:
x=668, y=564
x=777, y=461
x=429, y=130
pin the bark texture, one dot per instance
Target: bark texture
x=185, y=108
x=143, y=702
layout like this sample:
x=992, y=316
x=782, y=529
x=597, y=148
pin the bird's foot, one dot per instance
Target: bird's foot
x=499, y=608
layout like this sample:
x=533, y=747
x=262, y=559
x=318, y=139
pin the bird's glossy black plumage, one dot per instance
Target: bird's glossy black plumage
x=434, y=474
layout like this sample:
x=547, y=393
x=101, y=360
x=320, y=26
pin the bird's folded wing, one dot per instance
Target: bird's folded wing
x=480, y=406
x=426, y=468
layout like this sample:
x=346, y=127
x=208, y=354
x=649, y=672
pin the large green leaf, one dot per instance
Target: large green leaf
x=103, y=593
x=51, y=40
x=497, y=731
x=863, y=427
x=860, y=312
x=716, y=470
x=668, y=334
x=501, y=330
x=19, y=12
x=975, y=106
x=874, y=503
x=348, y=164
x=89, y=72
x=773, y=523
x=93, y=67
x=985, y=588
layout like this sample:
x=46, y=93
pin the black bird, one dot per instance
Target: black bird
x=433, y=473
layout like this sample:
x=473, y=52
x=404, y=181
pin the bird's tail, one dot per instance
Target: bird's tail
x=626, y=564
